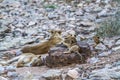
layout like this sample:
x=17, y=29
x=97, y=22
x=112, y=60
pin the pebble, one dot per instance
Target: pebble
x=3, y=78
x=73, y=73
x=2, y=69
x=106, y=53
x=10, y=68
x=52, y=73
x=103, y=13
x=117, y=48
x=105, y=73
x=31, y=23
x=100, y=47
x=12, y=74
x=86, y=24
x=93, y=60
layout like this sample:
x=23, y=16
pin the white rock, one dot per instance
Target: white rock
x=52, y=73
x=105, y=74
x=79, y=13
x=31, y=23
x=103, y=13
x=86, y=23
x=118, y=42
x=19, y=25
x=117, y=48
x=73, y=73
x=98, y=1
x=93, y=60
x=100, y=47
x=106, y=53
x=2, y=69
x=12, y=74
x=72, y=32
x=10, y=68
x=107, y=1
x=2, y=78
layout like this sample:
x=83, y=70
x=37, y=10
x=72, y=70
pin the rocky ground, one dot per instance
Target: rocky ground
x=25, y=21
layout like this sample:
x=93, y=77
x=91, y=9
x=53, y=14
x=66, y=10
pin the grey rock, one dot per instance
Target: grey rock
x=2, y=69
x=99, y=20
x=10, y=68
x=86, y=24
x=97, y=9
x=106, y=53
x=52, y=74
x=116, y=63
x=117, y=48
x=118, y=42
x=105, y=73
x=31, y=23
x=12, y=74
x=73, y=74
x=52, y=15
x=93, y=60
x=19, y=25
x=103, y=13
x=79, y=13
x=3, y=78
x=100, y=47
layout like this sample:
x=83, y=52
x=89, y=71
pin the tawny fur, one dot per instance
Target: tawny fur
x=71, y=43
x=44, y=47
x=27, y=60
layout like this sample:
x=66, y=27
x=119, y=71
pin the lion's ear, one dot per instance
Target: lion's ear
x=51, y=31
x=39, y=56
x=59, y=32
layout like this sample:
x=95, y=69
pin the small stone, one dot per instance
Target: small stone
x=17, y=33
x=10, y=68
x=2, y=78
x=86, y=24
x=19, y=25
x=79, y=13
x=93, y=60
x=2, y=69
x=73, y=73
x=52, y=74
x=98, y=20
x=62, y=21
x=103, y=13
x=71, y=25
x=31, y=23
x=72, y=32
x=117, y=43
x=106, y=53
x=3, y=48
x=52, y=15
x=80, y=5
x=100, y=47
x=97, y=9
x=16, y=4
x=12, y=74
x=98, y=1
x=117, y=48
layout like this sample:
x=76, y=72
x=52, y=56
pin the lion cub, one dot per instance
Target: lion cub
x=25, y=60
x=44, y=47
x=71, y=43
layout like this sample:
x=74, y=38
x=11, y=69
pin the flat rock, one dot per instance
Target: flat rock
x=52, y=75
x=57, y=57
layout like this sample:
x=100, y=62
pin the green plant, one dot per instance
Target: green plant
x=117, y=0
x=110, y=27
x=52, y=6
